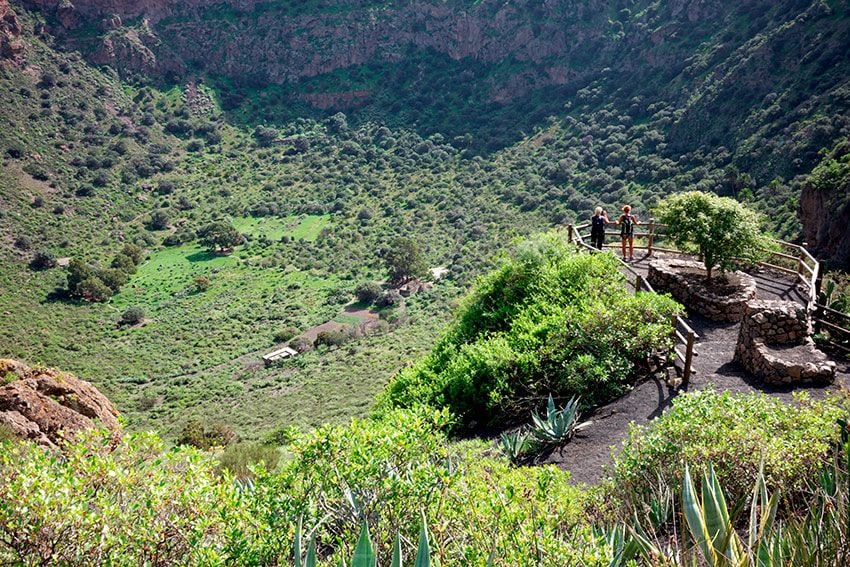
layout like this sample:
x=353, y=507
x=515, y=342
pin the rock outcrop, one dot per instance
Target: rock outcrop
x=47, y=406
x=11, y=45
x=825, y=213
x=774, y=345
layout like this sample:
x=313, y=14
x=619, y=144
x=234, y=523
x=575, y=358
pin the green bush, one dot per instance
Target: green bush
x=139, y=503
x=202, y=284
x=736, y=433
x=197, y=433
x=133, y=504
x=239, y=458
x=549, y=320
x=392, y=470
x=286, y=334
x=368, y=292
x=132, y=316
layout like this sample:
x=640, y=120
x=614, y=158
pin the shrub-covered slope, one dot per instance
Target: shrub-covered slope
x=548, y=321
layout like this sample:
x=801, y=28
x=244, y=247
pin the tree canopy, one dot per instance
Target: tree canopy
x=219, y=236
x=404, y=260
x=720, y=229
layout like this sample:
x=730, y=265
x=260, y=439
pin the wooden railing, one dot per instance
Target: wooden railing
x=836, y=323
x=783, y=257
x=685, y=336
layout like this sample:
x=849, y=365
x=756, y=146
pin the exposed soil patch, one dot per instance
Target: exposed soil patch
x=719, y=286
x=366, y=317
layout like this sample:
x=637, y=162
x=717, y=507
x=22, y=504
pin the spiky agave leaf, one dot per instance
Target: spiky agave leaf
x=364, y=553
x=311, y=560
x=397, y=558
x=423, y=552
x=695, y=519
x=296, y=545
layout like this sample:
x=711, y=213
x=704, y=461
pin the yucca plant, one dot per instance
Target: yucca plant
x=559, y=425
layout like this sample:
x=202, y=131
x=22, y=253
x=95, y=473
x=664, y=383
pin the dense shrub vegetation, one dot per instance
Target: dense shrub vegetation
x=738, y=434
x=549, y=320
x=140, y=502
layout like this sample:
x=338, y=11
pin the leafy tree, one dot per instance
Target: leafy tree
x=135, y=252
x=720, y=229
x=78, y=272
x=159, y=221
x=368, y=292
x=219, y=237
x=332, y=338
x=285, y=334
x=93, y=289
x=113, y=278
x=404, y=260
x=124, y=263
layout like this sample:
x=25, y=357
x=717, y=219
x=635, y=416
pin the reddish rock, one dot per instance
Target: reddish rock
x=11, y=45
x=47, y=406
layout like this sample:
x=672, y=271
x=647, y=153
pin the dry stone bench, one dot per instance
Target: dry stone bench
x=774, y=345
x=719, y=302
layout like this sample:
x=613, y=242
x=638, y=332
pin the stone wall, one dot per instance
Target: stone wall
x=680, y=279
x=774, y=345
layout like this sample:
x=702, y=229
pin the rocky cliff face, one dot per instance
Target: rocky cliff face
x=826, y=218
x=11, y=46
x=555, y=42
x=47, y=406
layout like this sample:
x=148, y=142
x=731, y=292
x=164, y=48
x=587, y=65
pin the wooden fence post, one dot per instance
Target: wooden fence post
x=570, y=233
x=689, y=358
x=651, y=236
x=638, y=284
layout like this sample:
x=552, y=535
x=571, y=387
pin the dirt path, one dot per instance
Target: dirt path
x=590, y=452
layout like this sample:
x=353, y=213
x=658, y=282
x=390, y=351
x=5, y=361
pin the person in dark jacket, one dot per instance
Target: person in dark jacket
x=597, y=227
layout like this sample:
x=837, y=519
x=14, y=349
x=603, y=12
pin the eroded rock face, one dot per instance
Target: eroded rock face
x=826, y=216
x=47, y=406
x=282, y=43
x=11, y=46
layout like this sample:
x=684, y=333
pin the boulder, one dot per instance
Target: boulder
x=48, y=406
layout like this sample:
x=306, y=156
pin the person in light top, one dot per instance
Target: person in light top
x=627, y=224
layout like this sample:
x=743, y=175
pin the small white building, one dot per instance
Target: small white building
x=278, y=355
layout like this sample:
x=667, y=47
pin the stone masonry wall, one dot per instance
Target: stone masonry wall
x=774, y=345
x=666, y=275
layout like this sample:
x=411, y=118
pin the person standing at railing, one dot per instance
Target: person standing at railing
x=627, y=224
x=597, y=227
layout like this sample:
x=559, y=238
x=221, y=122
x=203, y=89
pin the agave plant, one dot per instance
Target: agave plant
x=364, y=551
x=559, y=425
x=517, y=446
